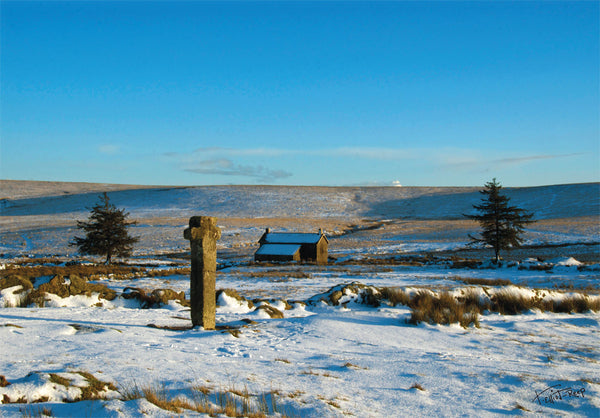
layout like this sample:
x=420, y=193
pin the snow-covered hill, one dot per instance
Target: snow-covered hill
x=547, y=202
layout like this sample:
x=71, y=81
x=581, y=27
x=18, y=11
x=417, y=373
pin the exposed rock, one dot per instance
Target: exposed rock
x=351, y=292
x=156, y=298
x=71, y=286
x=335, y=297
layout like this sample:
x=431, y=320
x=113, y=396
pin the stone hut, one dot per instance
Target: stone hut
x=293, y=246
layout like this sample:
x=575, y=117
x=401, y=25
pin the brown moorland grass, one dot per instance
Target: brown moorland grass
x=395, y=296
x=444, y=308
x=71, y=287
x=440, y=309
x=508, y=303
x=230, y=402
x=484, y=282
x=87, y=271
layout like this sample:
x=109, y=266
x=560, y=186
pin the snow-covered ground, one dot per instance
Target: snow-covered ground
x=323, y=360
x=318, y=360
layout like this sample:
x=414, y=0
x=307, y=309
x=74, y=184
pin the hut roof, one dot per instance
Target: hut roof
x=278, y=249
x=291, y=238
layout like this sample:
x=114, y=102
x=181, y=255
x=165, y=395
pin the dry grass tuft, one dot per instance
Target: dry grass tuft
x=417, y=386
x=271, y=311
x=32, y=412
x=509, y=303
x=95, y=387
x=440, y=309
x=521, y=407
x=59, y=380
x=230, y=402
x=395, y=296
x=11, y=325
x=160, y=398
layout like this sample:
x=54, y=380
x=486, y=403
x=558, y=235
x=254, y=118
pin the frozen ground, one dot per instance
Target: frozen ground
x=322, y=360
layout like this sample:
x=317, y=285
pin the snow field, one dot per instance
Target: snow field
x=362, y=360
x=324, y=360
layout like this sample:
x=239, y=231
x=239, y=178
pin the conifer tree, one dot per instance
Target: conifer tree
x=105, y=232
x=502, y=225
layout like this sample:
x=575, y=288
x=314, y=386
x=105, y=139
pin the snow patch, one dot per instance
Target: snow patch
x=229, y=304
x=12, y=297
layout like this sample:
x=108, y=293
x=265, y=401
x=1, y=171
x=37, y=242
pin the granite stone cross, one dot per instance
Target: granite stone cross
x=203, y=234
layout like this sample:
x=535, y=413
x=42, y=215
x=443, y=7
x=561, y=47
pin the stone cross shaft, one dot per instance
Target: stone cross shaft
x=203, y=234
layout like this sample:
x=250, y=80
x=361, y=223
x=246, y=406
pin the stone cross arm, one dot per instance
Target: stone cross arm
x=202, y=228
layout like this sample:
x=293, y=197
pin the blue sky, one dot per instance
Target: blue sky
x=300, y=93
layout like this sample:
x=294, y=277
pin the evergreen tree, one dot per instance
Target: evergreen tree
x=105, y=232
x=502, y=225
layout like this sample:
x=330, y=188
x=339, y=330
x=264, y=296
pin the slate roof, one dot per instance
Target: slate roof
x=278, y=249
x=291, y=238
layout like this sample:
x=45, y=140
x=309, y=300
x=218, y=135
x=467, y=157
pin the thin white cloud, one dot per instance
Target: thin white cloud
x=477, y=161
x=225, y=167
x=529, y=158
x=372, y=153
x=242, y=152
x=261, y=163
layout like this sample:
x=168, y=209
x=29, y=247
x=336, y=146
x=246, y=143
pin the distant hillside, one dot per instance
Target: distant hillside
x=547, y=202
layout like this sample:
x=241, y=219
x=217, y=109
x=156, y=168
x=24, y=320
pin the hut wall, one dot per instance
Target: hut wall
x=321, y=252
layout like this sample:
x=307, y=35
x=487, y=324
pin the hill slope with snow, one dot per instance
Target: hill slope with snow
x=547, y=202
